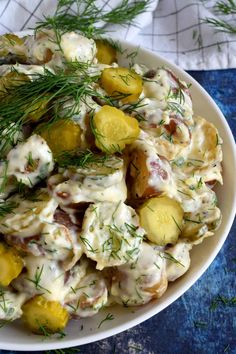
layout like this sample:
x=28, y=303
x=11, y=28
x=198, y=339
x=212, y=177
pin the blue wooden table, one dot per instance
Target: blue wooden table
x=204, y=319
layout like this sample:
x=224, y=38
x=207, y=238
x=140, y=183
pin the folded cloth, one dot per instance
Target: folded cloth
x=178, y=33
x=19, y=15
x=171, y=28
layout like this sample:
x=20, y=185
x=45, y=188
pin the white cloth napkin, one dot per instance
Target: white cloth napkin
x=172, y=28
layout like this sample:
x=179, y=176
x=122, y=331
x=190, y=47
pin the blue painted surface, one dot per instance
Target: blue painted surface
x=190, y=325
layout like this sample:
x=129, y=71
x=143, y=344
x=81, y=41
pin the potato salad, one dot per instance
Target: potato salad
x=106, y=179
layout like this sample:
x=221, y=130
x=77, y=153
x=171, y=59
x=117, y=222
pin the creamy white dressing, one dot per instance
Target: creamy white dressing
x=138, y=283
x=10, y=305
x=86, y=299
x=77, y=47
x=47, y=277
x=177, y=260
x=30, y=161
x=90, y=184
x=32, y=71
x=111, y=234
x=28, y=216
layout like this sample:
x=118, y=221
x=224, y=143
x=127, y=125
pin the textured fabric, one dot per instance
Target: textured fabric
x=175, y=31
x=178, y=33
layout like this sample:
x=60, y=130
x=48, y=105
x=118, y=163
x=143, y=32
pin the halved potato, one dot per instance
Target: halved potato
x=63, y=135
x=161, y=217
x=113, y=129
x=44, y=316
x=106, y=54
x=122, y=81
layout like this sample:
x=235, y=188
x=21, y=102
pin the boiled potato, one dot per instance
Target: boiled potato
x=42, y=315
x=106, y=54
x=11, y=264
x=113, y=129
x=63, y=135
x=122, y=81
x=161, y=217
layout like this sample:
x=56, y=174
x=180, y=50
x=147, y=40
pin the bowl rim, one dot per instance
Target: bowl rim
x=58, y=344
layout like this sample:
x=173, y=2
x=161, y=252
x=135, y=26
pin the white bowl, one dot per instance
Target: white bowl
x=15, y=337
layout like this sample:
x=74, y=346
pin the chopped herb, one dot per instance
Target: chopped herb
x=88, y=245
x=227, y=7
x=193, y=221
x=135, y=347
x=80, y=158
x=184, y=193
x=109, y=317
x=223, y=301
x=226, y=349
x=37, y=279
x=176, y=223
x=169, y=257
x=7, y=207
x=200, y=324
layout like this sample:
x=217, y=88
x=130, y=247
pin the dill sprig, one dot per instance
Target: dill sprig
x=109, y=317
x=80, y=158
x=220, y=25
x=226, y=7
x=60, y=88
x=87, y=16
x=7, y=207
x=37, y=279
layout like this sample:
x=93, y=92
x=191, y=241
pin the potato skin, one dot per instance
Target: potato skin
x=63, y=135
x=122, y=81
x=11, y=264
x=106, y=54
x=40, y=314
x=113, y=129
x=141, y=175
x=161, y=217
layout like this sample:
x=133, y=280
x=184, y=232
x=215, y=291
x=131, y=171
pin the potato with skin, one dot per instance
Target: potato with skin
x=161, y=218
x=106, y=54
x=41, y=315
x=63, y=135
x=11, y=264
x=113, y=129
x=150, y=174
x=122, y=81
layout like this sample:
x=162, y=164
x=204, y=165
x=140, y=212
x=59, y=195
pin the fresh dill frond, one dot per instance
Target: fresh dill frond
x=7, y=207
x=87, y=16
x=37, y=279
x=109, y=317
x=62, y=90
x=227, y=7
x=133, y=108
x=220, y=25
x=80, y=158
